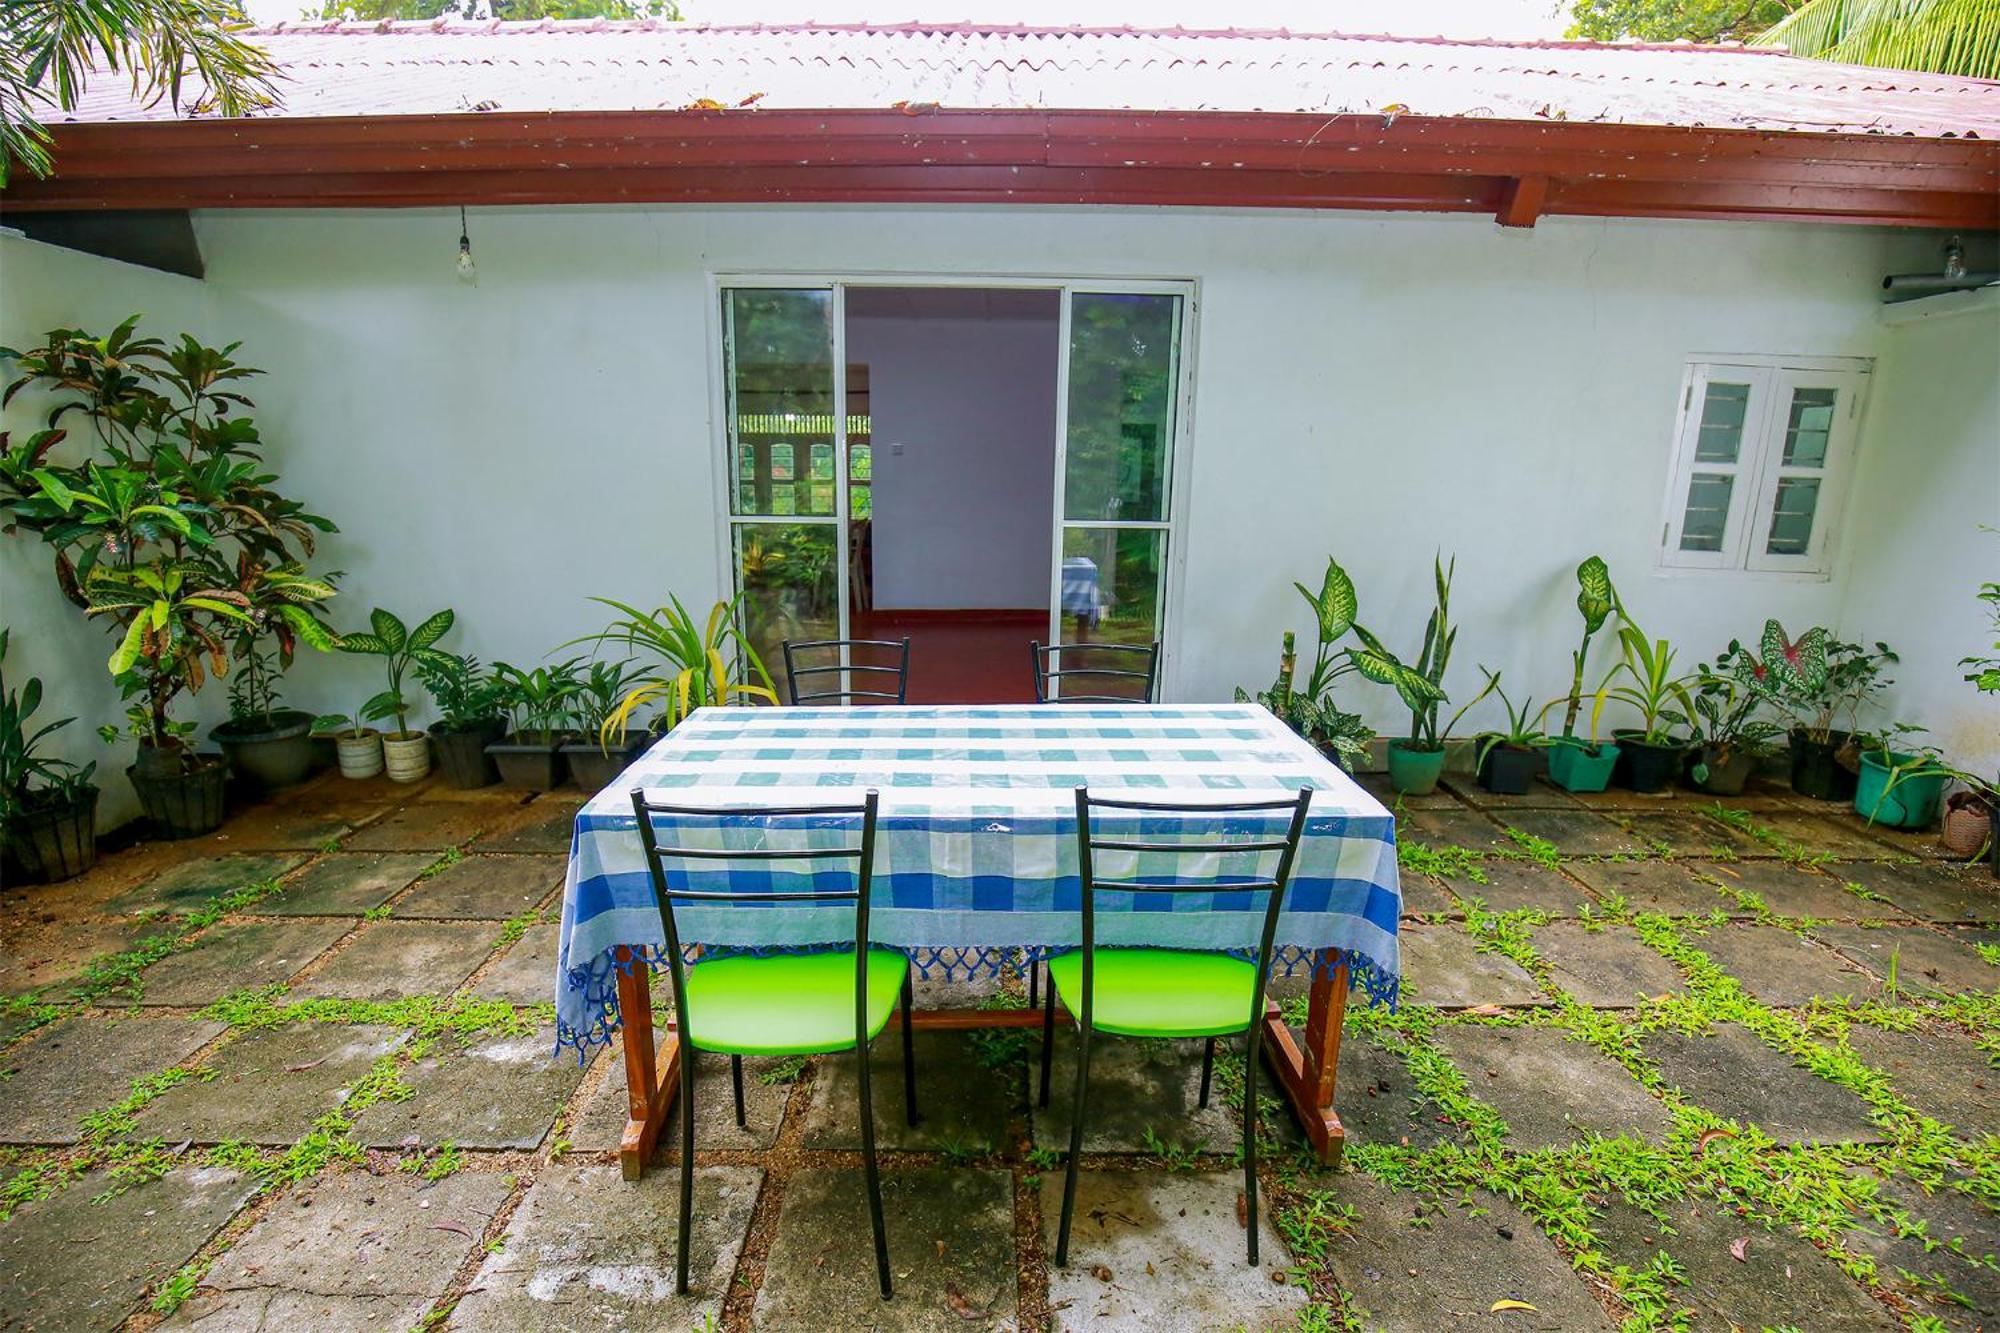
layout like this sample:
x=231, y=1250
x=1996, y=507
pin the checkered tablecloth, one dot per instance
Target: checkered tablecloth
x=975, y=862
x=1082, y=593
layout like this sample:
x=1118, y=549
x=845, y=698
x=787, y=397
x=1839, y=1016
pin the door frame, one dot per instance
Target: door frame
x=722, y=457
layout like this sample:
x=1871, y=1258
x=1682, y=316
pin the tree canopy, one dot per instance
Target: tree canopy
x=1675, y=20
x=371, y=10
x=1939, y=36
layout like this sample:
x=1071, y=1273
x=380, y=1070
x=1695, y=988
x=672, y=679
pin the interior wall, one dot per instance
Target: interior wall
x=1926, y=532
x=962, y=394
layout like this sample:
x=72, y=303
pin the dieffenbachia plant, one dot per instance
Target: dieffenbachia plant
x=1596, y=599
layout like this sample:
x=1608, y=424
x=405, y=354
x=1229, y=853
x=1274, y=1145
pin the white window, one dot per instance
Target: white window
x=1761, y=456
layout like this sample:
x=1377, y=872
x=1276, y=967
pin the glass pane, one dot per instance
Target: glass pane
x=1122, y=366
x=1111, y=584
x=822, y=462
x=1792, y=516
x=780, y=371
x=1807, y=430
x=1722, y=414
x=861, y=462
x=860, y=502
x=1707, y=519
x=789, y=580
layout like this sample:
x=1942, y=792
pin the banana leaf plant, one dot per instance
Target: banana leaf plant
x=695, y=665
x=400, y=648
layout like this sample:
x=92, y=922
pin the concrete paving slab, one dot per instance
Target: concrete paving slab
x=1609, y=967
x=345, y=884
x=498, y=1092
x=526, y=973
x=1653, y=886
x=1941, y=1073
x=269, y=1085
x=389, y=960
x=1733, y=1074
x=1541, y=795
x=767, y=1085
x=70, y=1265
x=86, y=1063
x=1777, y=966
x=1425, y=896
x=1549, y=1089
x=192, y=885
x=1842, y=837
x=1511, y=886
x=1574, y=832
x=348, y=1253
x=1956, y=1245
x=586, y=1252
x=1377, y=785
x=1156, y=1250
x=1377, y=1099
x=1780, y=1281
x=1688, y=833
x=1926, y=961
x=951, y=1253
x=290, y=826
x=431, y=826
x=46, y=957
x=1445, y=1274
x=231, y=957
x=1441, y=967
x=545, y=826
x=1137, y=1086
x=1458, y=827
x=491, y=888
x=962, y=1102
x=1794, y=891
x=1931, y=892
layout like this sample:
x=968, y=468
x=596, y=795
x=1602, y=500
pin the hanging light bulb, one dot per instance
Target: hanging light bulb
x=467, y=270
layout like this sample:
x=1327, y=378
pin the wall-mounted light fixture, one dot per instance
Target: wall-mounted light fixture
x=467, y=270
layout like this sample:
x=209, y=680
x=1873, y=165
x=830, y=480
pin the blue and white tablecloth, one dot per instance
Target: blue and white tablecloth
x=1082, y=593
x=975, y=858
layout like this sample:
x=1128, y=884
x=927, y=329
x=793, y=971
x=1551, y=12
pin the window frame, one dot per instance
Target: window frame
x=1759, y=466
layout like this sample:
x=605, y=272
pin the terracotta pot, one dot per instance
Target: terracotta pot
x=1967, y=824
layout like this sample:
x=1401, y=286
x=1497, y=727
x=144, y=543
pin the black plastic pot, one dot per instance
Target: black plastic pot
x=1816, y=768
x=57, y=842
x=593, y=768
x=462, y=753
x=1724, y=770
x=183, y=796
x=529, y=766
x=1646, y=767
x=269, y=752
x=1508, y=769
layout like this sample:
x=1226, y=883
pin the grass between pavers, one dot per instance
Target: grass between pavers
x=1815, y=1191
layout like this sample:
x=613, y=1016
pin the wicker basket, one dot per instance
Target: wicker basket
x=1967, y=824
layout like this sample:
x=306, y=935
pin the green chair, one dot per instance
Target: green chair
x=784, y=1004
x=1139, y=992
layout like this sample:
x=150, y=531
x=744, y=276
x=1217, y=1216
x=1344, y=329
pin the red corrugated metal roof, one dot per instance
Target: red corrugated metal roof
x=387, y=69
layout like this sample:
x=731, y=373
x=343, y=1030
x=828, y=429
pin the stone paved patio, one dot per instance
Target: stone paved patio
x=1654, y=1069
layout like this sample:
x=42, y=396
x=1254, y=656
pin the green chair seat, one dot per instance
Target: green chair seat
x=788, y=1004
x=1159, y=992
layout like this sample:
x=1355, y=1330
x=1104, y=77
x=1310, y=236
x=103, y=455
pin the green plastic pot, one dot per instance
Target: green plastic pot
x=1911, y=804
x=1579, y=766
x=1414, y=772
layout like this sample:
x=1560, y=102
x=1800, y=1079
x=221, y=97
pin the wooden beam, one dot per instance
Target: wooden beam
x=1521, y=200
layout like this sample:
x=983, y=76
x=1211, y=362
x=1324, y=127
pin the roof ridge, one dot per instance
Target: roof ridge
x=968, y=27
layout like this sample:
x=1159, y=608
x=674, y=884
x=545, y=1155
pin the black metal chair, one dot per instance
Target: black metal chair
x=1127, y=662
x=784, y=1004
x=1140, y=992
x=843, y=660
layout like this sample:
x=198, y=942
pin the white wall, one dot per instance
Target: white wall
x=1929, y=482
x=1369, y=385
x=964, y=416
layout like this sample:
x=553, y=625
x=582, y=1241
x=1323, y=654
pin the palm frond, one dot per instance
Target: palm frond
x=1937, y=36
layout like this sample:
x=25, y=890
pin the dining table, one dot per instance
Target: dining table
x=975, y=869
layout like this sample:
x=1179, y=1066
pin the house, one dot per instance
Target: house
x=1081, y=332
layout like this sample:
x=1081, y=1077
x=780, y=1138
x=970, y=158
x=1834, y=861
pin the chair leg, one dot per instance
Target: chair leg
x=874, y=1175
x=1048, y=1038
x=736, y=1078
x=1034, y=983
x=1207, y=1068
x=687, y=1168
x=1251, y=1046
x=1075, y=1142
x=909, y=1055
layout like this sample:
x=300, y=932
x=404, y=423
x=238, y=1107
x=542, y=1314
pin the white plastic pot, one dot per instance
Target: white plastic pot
x=360, y=753
x=408, y=754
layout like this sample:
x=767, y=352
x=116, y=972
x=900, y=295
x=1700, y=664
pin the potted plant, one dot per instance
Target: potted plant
x=167, y=529
x=472, y=714
x=267, y=745
x=1578, y=765
x=1985, y=677
x=1415, y=764
x=1311, y=712
x=406, y=752
x=1509, y=758
x=604, y=746
x=697, y=665
x=357, y=746
x=539, y=707
x=1729, y=738
x=1821, y=685
x=1650, y=755
x=48, y=807
x=1898, y=785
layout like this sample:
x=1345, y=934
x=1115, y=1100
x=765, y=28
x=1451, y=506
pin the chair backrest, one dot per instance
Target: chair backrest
x=842, y=651
x=1286, y=848
x=665, y=894
x=1122, y=662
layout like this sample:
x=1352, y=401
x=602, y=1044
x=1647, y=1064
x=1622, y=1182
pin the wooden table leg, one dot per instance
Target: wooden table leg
x=1308, y=1076
x=650, y=1079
